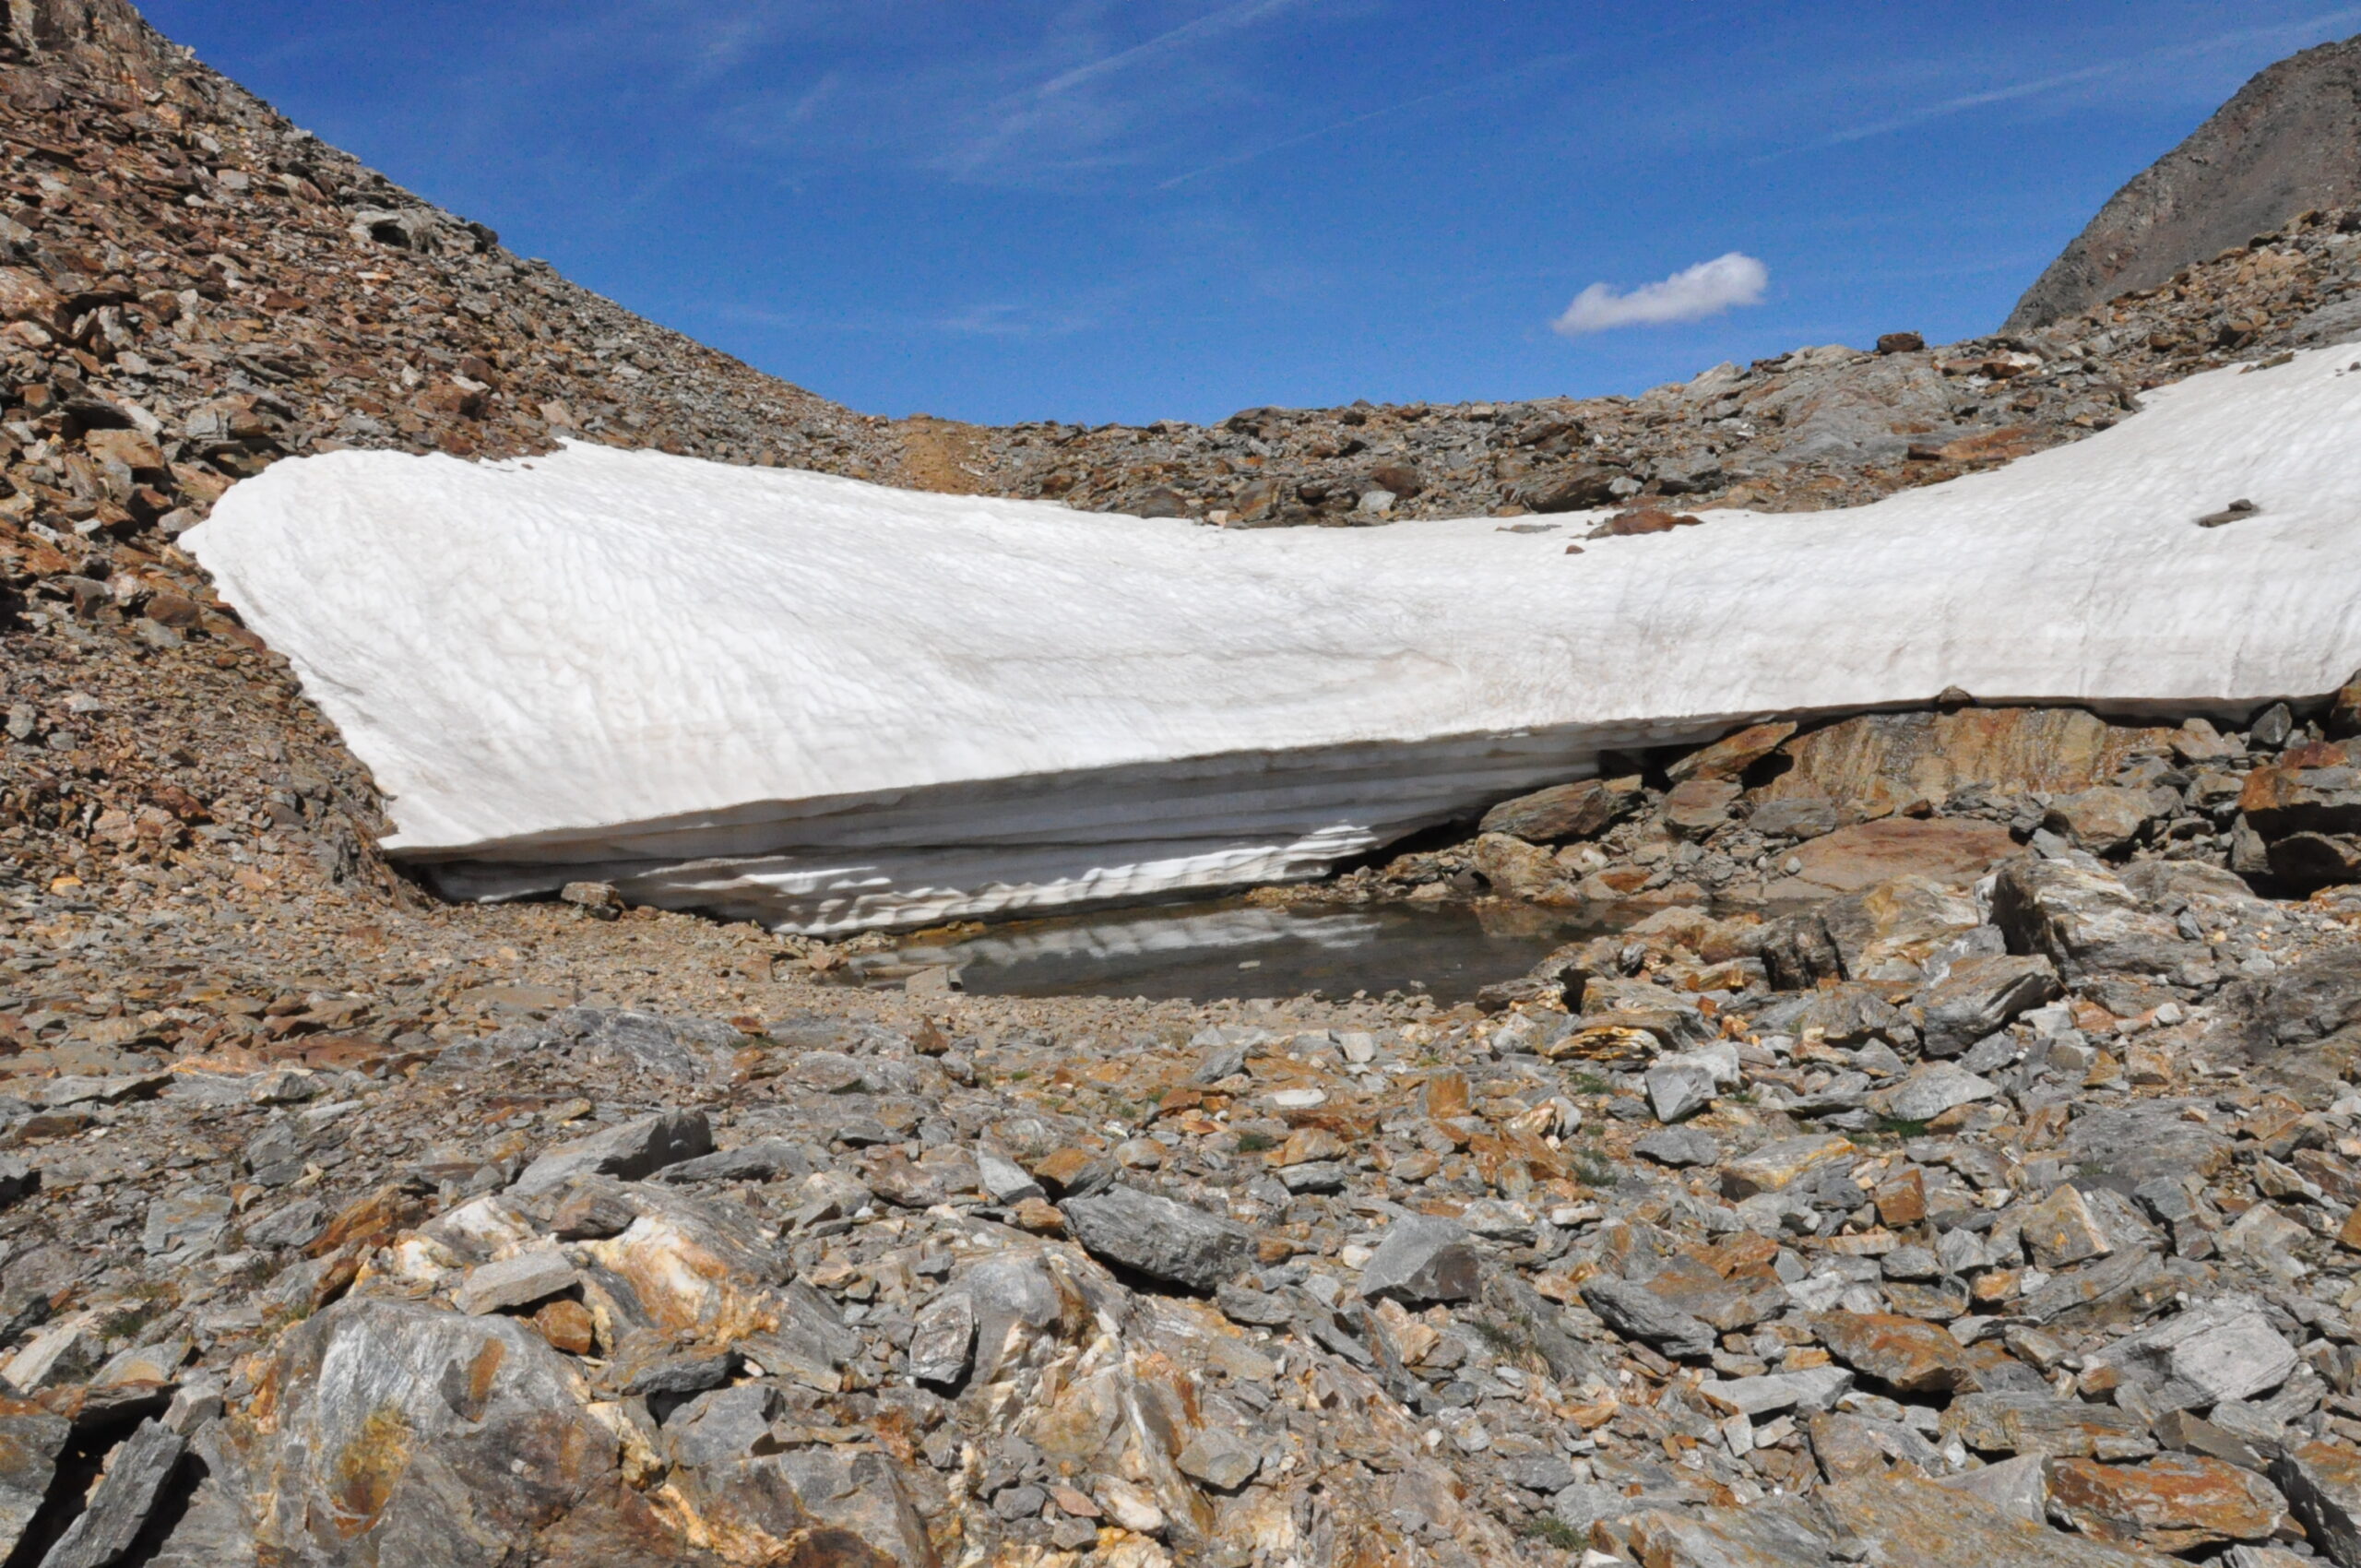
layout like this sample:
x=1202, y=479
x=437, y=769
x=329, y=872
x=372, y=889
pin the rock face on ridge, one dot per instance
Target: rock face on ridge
x=2288, y=142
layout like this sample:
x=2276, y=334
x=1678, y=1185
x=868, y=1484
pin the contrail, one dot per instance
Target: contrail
x=2038, y=86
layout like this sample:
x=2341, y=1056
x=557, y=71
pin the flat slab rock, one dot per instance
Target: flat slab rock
x=2223, y=1349
x=31, y=1440
x=629, y=1152
x=136, y=1474
x=1161, y=1238
x=2322, y=1484
x=518, y=1281
x=1947, y=849
x=1893, y=1521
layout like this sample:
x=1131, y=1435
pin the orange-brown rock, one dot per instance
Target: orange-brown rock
x=567, y=1327
x=2308, y=810
x=1955, y=850
x=1878, y=763
x=369, y=1220
x=2173, y=1503
x=1582, y=809
x=1732, y=755
x=1904, y=1353
x=1901, y=1200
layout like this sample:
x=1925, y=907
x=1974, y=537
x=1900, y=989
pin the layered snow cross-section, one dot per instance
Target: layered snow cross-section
x=829, y=705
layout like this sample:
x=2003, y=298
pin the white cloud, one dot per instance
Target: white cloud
x=1707, y=289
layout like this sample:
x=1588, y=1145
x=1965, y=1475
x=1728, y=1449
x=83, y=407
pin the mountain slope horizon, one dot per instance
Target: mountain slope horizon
x=2288, y=142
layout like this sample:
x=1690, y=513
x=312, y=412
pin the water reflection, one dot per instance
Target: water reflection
x=1204, y=951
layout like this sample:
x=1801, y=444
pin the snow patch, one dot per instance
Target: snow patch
x=827, y=704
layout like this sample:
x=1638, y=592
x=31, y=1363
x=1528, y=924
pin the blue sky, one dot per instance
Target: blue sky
x=1176, y=209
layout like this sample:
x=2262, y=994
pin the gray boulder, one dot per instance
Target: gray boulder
x=1220, y=1459
x=31, y=1440
x=1161, y=1238
x=1637, y=1312
x=722, y=1425
x=1680, y=1086
x=629, y=1153
x=2144, y=1142
x=404, y=1434
x=2085, y=921
x=1981, y=996
x=2309, y=1000
x=2322, y=1480
x=1680, y=1148
x=136, y=1474
x=1423, y=1259
x=942, y=1343
x=765, y=1159
x=1931, y=1090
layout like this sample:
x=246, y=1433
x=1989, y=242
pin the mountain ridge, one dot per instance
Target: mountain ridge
x=2288, y=141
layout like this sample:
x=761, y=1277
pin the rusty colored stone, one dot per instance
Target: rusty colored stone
x=1952, y=851
x=2173, y=1503
x=2061, y=1229
x=1040, y=1216
x=1062, y=1168
x=1904, y=1353
x=1777, y=1163
x=1732, y=755
x=1584, y=809
x=567, y=1327
x=369, y=1221
x=1882, y=762
x=1902, y=1199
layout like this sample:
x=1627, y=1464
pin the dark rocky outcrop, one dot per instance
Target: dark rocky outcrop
x=2289, y=142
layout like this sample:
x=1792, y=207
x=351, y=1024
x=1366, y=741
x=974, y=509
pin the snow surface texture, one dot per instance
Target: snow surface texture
x=827, y=705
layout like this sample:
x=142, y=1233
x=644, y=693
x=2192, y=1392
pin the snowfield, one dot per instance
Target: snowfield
x=829, y=705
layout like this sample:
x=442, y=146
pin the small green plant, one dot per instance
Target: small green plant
x=1591, y=1167
x=289, y=1315
x=1550, y=1530
x=1255, y=1143
x=253, y=1274
x=125, y=1322
x=1499, y=1339
x=1898, y=1127
x=1590, y=1083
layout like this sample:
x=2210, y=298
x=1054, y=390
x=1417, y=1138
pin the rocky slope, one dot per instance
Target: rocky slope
x=1819, y=427
x=2010, y=1206
x=2289, y=142
x=195, y=287
x=1996, y=1204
